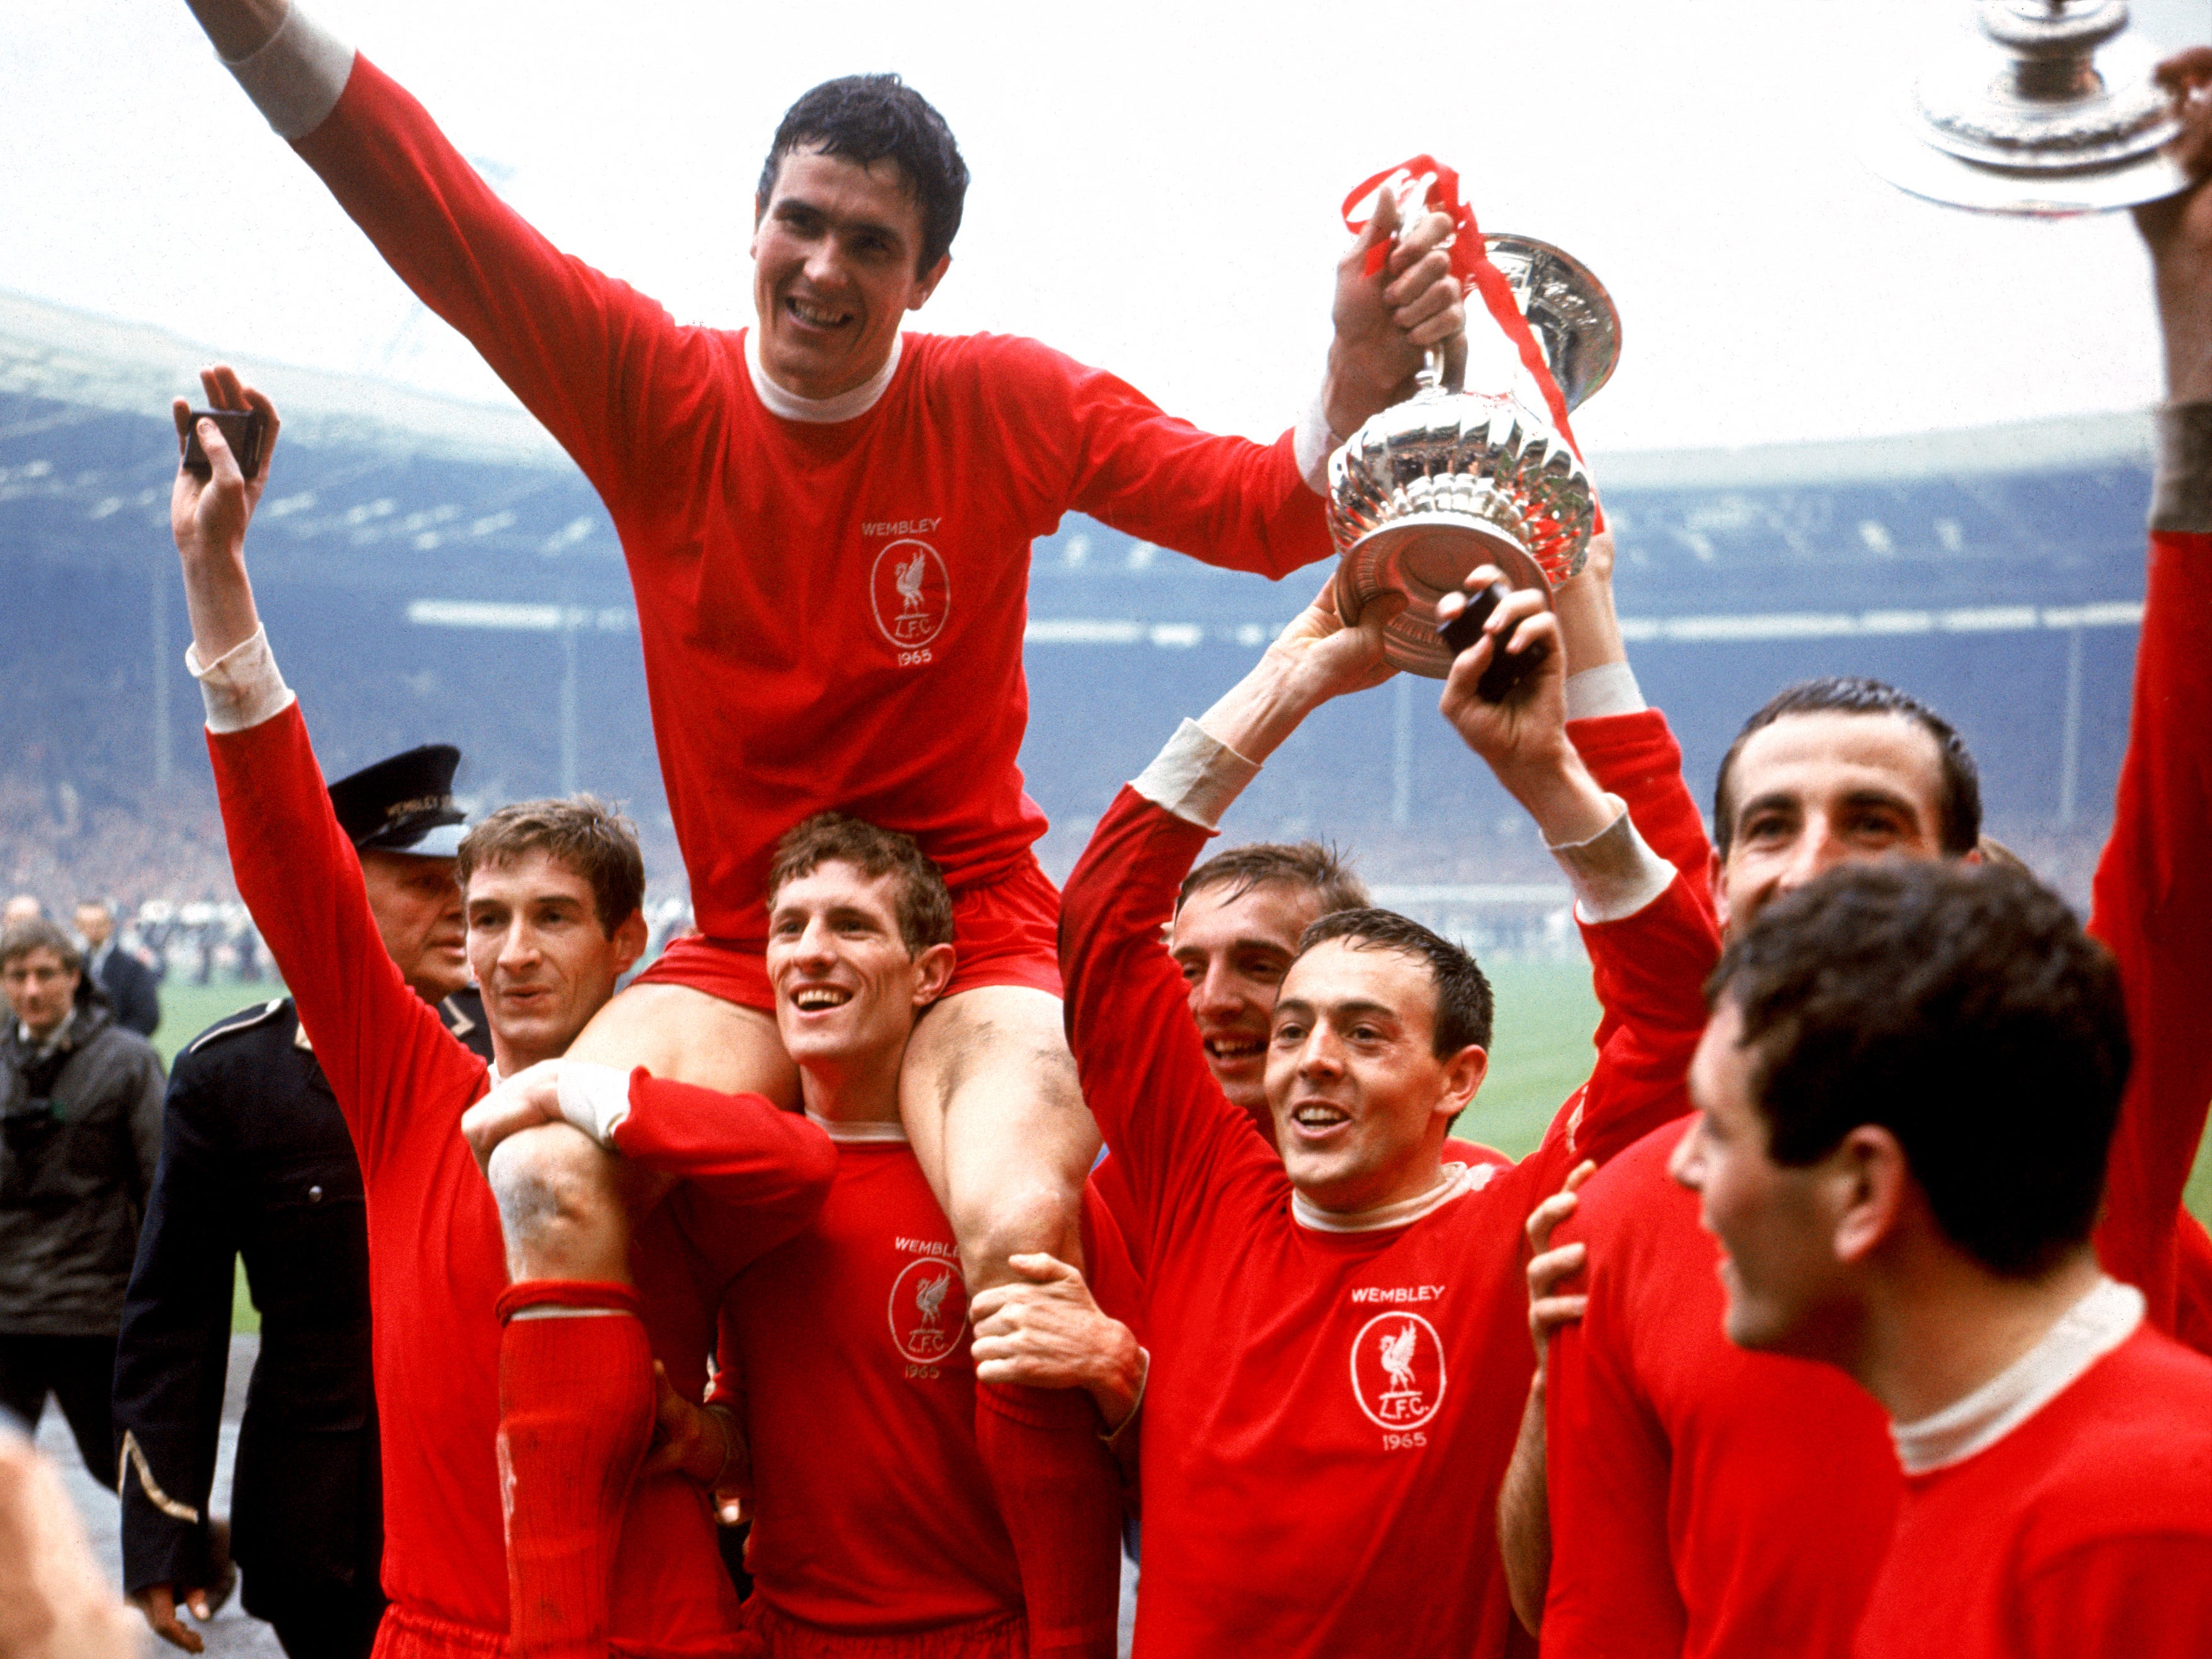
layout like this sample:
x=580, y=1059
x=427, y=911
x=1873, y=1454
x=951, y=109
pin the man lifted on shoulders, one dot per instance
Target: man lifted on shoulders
x=827, y=525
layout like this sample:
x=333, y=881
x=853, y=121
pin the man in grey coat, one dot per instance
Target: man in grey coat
x=80, y=1131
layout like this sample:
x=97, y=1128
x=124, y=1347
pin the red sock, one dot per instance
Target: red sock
x=575, y=1414
x=1057, y=1490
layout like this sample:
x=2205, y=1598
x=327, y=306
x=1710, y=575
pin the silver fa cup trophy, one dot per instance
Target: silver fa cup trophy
x=1446, y=480
x=2045, y=108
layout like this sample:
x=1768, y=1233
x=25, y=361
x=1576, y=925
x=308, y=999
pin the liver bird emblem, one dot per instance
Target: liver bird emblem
x=929, y=1298
x=907, y=579
x=1397, y=1355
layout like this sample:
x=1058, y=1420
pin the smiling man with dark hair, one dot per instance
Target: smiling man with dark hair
x=1286, y=1512
x=1906, y=1097
x=827, y=523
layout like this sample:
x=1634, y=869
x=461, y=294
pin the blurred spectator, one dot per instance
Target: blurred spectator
x=80, y=1130
x=133, y=990
x=22, y=906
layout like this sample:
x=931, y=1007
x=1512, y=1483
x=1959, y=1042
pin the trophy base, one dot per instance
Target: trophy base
x=1891, y=149
x=1425, y=555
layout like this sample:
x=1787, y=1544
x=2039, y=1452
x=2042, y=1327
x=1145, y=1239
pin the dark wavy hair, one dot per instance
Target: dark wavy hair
x=925, y=906
x=1464, y=1005
x=1960, y=1007
x=864, y=119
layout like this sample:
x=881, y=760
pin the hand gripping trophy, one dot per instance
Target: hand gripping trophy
x=1431, y=488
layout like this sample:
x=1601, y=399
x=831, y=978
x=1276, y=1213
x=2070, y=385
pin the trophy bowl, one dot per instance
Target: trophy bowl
x=2047, y=109
x=1430, y=488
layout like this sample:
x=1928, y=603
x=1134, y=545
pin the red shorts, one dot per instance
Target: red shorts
x=1004, y=932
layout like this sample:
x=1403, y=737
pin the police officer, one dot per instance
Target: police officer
x=256, y=1161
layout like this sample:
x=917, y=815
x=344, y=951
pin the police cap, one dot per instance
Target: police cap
x=403, y=804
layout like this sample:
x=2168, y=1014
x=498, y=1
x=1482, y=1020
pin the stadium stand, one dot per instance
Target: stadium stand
x=438, y=570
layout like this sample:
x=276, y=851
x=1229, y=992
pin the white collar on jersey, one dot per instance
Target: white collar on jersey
x=1457, y=1178
x=821, y=411
x=2084, y=1333
x=859, y=1133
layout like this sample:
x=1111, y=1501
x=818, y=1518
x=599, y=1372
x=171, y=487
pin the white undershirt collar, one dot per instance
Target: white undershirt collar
x=1457, y=1178
x=859, y=1133
x=819, y=411
x=2084, y=1333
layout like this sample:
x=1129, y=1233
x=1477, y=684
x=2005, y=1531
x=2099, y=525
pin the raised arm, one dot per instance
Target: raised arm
x=1143, y=1072
x=1624, y=742
x=2154, y=885
x=1259, y=507
x=377, y=1041
x=581, y=349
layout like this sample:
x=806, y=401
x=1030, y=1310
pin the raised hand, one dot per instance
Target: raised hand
x=1315, y=658
x=2179, y=231
x=1386, y=322
x=209, y=516
x=1524, y=736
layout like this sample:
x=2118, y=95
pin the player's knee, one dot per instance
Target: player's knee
x=559, y=1199
x=1044, y=1217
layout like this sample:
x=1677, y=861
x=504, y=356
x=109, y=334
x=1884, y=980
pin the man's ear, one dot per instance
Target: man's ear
x=1714, y=871
x=629, y=941
x=930, y=279
x=932, y=973
x=1873, y=1186
x=1463, y=1075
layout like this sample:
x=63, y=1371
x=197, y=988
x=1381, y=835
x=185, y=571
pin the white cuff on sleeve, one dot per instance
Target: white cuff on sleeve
x=1194, y=777
x=241, y=687
x=297, y=77
x=1614, y=873
x=1608, y=688
x=1313, y=442
x=595, y=1098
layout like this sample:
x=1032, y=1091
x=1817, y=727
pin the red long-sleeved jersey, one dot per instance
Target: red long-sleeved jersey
x=831, y=614
x=1329, y=1414
x=846, y=1350
x=2087, y=1529
x=1712, y=1503
x=436, y=1263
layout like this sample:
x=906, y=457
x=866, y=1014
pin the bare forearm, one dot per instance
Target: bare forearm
x=1559, y=792
x=239, y=29
x=1524, y=1518
x=219, y=598
x=1257, y=714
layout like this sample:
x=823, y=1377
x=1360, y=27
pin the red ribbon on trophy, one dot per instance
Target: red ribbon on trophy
x=1425, y=179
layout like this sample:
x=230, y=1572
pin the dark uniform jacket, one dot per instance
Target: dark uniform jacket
x=255, y=1162
x=80, y=1123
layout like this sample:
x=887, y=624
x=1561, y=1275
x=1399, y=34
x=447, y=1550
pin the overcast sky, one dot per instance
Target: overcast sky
x=1156, y=187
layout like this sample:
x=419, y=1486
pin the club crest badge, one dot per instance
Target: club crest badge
x=1398, y=1370
x=911, y=593
x=929, y=1310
